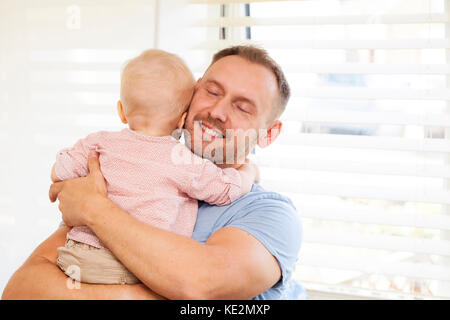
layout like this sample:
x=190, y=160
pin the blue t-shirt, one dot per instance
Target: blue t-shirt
x=269, y=217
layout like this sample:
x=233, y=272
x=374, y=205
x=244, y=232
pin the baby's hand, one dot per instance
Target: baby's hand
x=249, y=174
x=257, y=175
x=252, y=170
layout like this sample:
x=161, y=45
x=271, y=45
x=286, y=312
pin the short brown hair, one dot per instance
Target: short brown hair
x=260, y=56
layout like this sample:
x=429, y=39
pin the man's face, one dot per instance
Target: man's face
x=234, y=98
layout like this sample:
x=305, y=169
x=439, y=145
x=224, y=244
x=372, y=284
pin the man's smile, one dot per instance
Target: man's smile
x=209, y=133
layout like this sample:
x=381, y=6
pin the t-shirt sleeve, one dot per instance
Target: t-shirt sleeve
x=73, y=162
x=276, y=224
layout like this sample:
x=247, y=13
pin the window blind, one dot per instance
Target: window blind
x=365, y=151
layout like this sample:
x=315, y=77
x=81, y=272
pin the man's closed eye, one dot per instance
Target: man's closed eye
x=214, y=93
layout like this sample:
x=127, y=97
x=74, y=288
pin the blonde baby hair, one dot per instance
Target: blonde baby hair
x=156, y=85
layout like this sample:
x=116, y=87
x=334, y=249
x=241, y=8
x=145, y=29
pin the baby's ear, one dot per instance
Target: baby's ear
x=121, y=113
x=182, y=121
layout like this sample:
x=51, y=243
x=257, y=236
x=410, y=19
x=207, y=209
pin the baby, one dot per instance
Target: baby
x=140, y=172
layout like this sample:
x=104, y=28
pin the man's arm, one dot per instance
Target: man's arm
x=40, y=278
x=232, y=264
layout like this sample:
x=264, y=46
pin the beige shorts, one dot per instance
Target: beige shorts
x=89, y=264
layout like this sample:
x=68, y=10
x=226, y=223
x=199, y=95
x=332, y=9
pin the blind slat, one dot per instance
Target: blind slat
x=365, y=167
x=67, y=57
x=357, y=68
x=76, y=41
x=64, y=86
x=332, y=44
x=338, y=291
x=303, y=186
x=324, y=20
x=380, y=242
x=373, y=216
x=373, y=118
x=352, y=93
x=360, y=68
x=75, y=66
x=365, y=142
x=373, y=266
x=233, y=1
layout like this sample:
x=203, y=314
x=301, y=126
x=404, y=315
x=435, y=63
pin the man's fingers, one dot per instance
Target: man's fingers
x=96, y=173
x=55, y=189
x=94, y=165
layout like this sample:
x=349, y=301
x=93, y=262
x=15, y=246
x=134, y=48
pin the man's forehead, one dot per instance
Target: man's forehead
x=235, y=72
x=231, y=64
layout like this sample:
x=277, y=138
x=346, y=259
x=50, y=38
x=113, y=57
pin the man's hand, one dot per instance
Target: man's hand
x=76, y=195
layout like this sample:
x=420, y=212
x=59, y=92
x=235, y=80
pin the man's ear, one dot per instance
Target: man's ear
x=270, y=135
x=121, y=113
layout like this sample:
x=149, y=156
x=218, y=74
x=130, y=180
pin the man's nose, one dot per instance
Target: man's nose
x=219, y=110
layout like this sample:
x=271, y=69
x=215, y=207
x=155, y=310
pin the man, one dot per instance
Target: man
x=242, y=251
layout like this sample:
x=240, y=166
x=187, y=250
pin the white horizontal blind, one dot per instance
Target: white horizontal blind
x=60, y=66
x=365, y=150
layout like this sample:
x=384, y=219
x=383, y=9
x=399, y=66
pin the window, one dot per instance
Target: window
x=365, y=149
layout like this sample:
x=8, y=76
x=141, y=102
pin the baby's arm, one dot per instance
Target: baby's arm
x=73, y=162
x=217, y=186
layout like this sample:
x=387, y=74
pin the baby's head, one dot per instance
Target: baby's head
x=156, y=89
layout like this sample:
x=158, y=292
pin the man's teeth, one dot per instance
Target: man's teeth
x=212, y=132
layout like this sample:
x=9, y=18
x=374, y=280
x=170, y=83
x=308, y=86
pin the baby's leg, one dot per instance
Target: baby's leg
x=88, y=264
